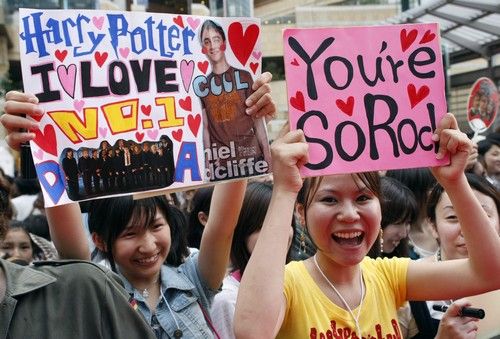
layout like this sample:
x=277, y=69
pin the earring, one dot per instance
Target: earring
x=302, y=242
x=381, y=235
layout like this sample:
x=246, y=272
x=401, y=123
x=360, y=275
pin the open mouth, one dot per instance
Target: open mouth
x=148, y=261
x=348, y=238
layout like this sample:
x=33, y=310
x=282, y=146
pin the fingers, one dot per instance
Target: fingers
x=260, y=98
x=264, y=107
x=450, y=138
x=15, y=122
x=21, y=97
x=264, y=78
x=14, y=140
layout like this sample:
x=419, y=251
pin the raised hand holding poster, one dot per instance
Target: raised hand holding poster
x=367, y=98
x=138, y=101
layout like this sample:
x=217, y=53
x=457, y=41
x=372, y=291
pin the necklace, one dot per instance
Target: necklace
x=355, y=318
x=145, y=292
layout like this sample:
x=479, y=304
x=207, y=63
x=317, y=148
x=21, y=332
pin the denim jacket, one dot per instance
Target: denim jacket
x=185, y=292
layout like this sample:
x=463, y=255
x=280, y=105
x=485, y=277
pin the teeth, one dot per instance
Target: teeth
x=147, y=260
x=347, y=235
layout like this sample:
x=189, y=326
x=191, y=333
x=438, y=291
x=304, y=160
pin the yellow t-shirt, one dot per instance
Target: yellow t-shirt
x=310, y=314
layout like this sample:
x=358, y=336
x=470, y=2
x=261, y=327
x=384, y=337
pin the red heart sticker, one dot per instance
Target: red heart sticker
x=428, y=37
x=139, y=136
x=194, y=122
x=185, y=103
x=100, y=58
x=415, y=95
x=298, y=101
x=346, y=106
x=294, y=62
x=254, y=66
x=178, y=21
x=61, y=55
x=407, y=38
x=177, y=135
x=202, y=66
x=146, y=109
x=46, y=140
x=242, y=43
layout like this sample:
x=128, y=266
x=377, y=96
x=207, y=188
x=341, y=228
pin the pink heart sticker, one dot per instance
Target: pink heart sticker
x=98, y=21
x=187, y=69
x=152, y=134
x=78, y=104
x=193, y=23
x=103, y=131
x=38, y=154
x=67, y=78
x=124, y=51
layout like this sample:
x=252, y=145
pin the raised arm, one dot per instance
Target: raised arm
x=261, y=303
x=478, y=273
x=65, y=222
x=227, y=200
x=67, y=232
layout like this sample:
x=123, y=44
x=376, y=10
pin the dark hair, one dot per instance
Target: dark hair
x=19, y=225
x=37, y=224
x=4, y=206
x=200, y=203
x=252, y=215
x=398, y=203
x=476, y=182
x=209, y=24
x=420, y=181
x=27, y=186
x=398, y=206
x=108, y=218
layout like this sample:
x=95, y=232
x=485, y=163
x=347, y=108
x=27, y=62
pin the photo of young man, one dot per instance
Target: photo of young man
x=235, y=144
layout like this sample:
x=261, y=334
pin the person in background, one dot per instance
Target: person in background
x=92, y=296
x=419, y=320
x=253, y=212
x=420, y=181
x=489, y=150
x=197, y=218
x=399, y=212
x=17, y=244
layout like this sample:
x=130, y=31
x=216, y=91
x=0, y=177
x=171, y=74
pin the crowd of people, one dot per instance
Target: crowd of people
x=348, y=255
x=124, y=167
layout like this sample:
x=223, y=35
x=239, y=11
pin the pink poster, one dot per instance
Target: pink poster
x=367, y=98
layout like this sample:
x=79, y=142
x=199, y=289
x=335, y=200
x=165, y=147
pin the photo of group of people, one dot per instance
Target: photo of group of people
x=483, y=102
x=126, y=166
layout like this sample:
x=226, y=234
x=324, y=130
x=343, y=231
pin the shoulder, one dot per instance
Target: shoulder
x=244, y=74
x=78, y=272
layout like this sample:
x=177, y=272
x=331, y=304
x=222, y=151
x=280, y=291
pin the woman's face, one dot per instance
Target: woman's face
x=343, y=219
x=393, y=234
x=17, y=244
x=140, y=252
x=492, y=160
x=447, y=227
